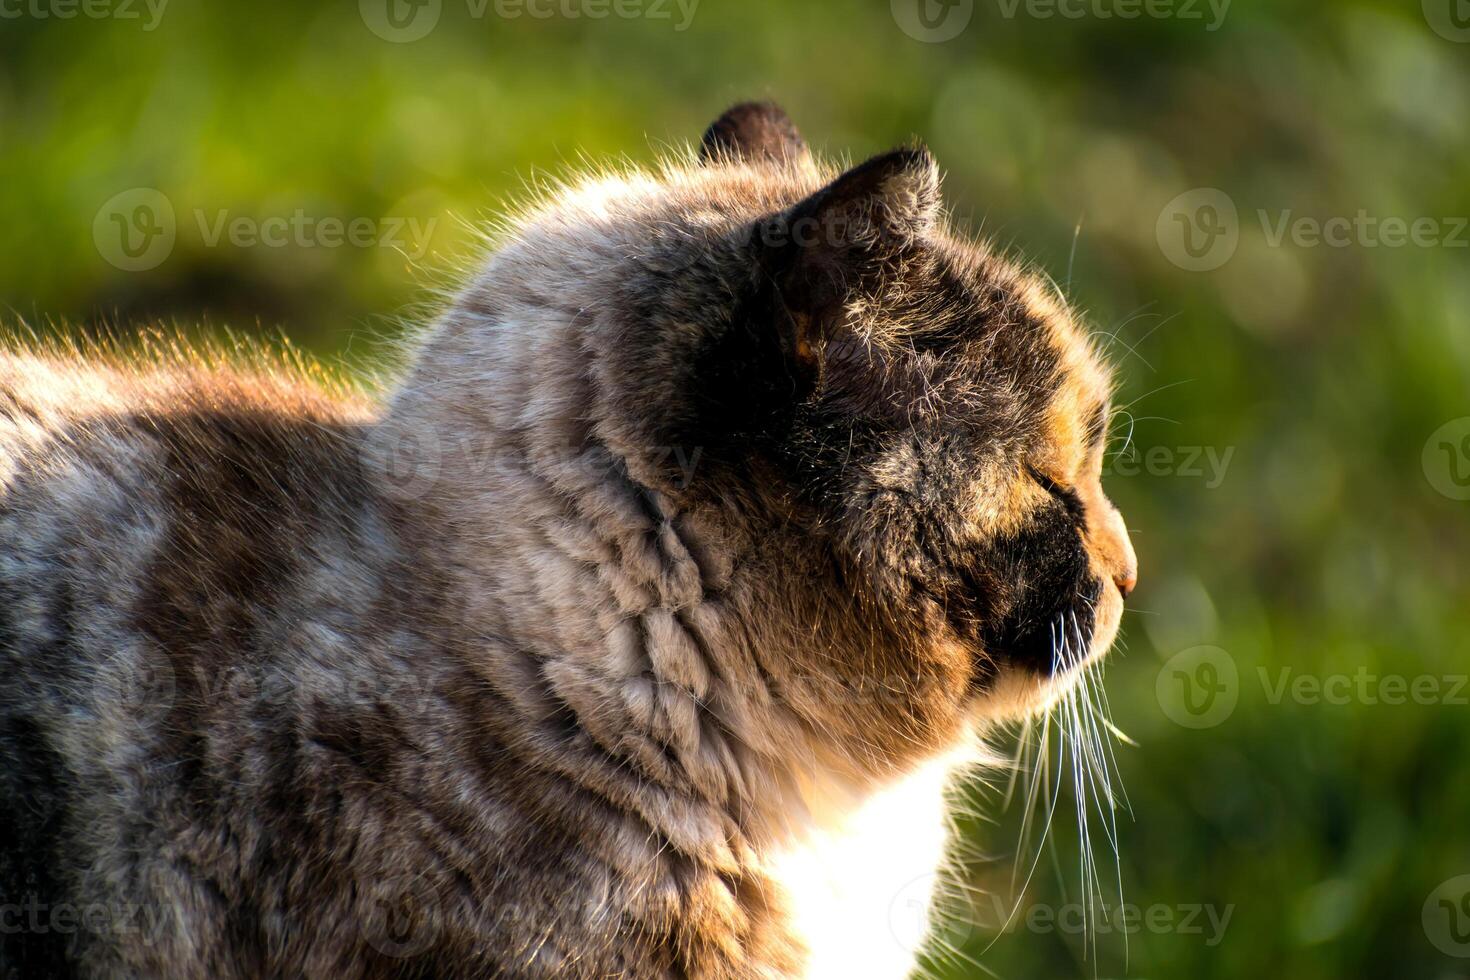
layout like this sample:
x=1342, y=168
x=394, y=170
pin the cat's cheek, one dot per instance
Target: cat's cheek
x=1014, y=695
x=1017, y=693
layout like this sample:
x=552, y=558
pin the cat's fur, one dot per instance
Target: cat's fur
x=720, y=502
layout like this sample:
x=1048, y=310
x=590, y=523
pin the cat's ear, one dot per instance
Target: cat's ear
x=752, y=132
x=847, y=238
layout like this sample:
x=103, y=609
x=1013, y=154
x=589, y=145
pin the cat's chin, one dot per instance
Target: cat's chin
x=1019, y=692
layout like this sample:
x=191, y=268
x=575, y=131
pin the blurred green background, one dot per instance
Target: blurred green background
x=1296, y=474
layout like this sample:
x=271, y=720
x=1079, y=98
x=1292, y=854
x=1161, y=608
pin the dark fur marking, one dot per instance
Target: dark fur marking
x=1045, y=577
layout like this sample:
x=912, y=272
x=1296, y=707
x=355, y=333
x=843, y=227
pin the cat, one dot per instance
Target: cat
x=720, y=513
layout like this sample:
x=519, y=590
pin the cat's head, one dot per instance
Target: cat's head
x=929, y=412
x=894, y=435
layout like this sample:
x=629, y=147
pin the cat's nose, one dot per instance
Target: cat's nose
x=1126, y=581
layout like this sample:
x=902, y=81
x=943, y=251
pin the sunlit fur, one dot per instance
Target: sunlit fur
x=669, y=580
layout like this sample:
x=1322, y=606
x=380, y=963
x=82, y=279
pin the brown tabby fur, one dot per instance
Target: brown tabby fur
x=720, y=499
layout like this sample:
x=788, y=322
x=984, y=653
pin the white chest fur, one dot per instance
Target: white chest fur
x=860, y=893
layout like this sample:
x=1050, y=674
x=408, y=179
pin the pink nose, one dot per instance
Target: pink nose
x=1126, y=582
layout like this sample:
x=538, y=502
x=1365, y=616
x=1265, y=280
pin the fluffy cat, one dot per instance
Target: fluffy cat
x=712, y=521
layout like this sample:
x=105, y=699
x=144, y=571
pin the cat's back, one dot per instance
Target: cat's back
x=178, y=475
x=166, y=501
x=159, y=523
x=77, y=430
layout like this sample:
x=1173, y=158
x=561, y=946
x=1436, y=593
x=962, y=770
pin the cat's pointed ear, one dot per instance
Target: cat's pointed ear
x=847, y=238
x=752, y=132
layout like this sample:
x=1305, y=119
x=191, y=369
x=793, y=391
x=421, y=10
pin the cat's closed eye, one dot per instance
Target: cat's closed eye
x=1065, y=495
